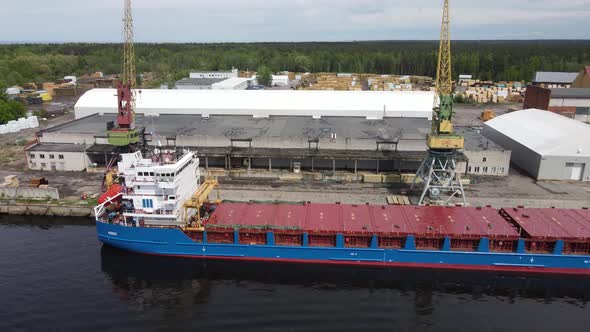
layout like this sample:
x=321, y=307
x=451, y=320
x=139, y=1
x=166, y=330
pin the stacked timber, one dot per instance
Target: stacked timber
x=10, y=181
x=334, y=82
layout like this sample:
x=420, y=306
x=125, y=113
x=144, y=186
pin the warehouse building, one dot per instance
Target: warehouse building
x=310, y=131
x=575, y=102
x=197, y=83
x=265, y=103
x=239, y=141
x=553, y=80
x=215, y=74
x=234, y=83
x=572, y=103
x=544, y=144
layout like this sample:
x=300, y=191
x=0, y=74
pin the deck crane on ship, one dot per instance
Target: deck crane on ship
x=438, y=171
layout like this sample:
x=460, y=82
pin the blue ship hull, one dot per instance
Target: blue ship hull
x=173, y=242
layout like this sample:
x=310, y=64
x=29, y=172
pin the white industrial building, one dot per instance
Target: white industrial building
x=265, y=103
x=234, y=83
x=277, y=80
x=548, y=79
x=57, y=157
x=483, y=156
x=215, y=74
x=578, y=100
x=546, y=145
x=196, y=83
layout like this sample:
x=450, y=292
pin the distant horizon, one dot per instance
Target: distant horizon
x=239, y=21
x=292, y=42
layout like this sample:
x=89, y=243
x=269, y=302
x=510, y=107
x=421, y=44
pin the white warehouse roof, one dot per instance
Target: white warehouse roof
x=264, y=103
x=230, y=83
x=546, y=133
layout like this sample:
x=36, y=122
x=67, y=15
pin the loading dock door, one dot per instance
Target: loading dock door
x=575, y=170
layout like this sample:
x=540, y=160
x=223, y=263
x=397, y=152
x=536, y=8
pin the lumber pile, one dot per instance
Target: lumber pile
x=398, y=200
x=334, y=82
x=10, y=181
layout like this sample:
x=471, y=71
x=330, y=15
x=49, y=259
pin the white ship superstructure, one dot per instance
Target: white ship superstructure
x=155, y=189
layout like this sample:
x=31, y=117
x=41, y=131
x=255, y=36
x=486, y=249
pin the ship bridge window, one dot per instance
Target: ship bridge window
x=147, y=203
x=151, y=173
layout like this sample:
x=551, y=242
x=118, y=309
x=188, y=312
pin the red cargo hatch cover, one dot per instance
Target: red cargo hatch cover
x=378, y=219
x=356, y=218
x=458, y=221
x=324, y=217
x=551, y=223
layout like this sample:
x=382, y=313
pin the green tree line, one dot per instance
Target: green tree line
x=9, y=109
x=488, y=60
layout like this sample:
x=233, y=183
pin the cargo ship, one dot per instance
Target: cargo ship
x=160, y=207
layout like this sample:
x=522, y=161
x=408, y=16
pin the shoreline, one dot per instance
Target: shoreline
x=37, y=209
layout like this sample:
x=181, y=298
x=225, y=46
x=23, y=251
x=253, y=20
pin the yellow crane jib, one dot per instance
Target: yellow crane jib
x=200, y=197
x=438, y=172
x=202, y=194
x=442, y=136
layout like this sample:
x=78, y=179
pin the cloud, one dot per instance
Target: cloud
x=292, y=20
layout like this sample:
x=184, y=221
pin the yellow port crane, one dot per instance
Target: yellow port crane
x=438, y=170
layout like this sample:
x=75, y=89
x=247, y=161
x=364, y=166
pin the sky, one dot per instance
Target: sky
x=291, y=20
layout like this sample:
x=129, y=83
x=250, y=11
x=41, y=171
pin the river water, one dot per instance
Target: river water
x=56, y=276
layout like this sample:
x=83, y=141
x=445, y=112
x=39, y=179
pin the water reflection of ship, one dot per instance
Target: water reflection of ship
x=162, y=277
x=45, y=222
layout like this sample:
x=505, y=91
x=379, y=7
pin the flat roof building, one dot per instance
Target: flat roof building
x=197, y=83
x=483, y=156
x=225, y=74
x=234, y=83
x=332, y=143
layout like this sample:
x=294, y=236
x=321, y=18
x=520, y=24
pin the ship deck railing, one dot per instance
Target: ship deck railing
x=100, y=209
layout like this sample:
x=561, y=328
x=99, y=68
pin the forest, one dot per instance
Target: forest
x=486, y=60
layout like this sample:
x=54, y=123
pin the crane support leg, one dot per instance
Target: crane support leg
x=440, y=178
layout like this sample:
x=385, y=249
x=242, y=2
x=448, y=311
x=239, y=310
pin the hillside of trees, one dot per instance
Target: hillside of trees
x=488, y=60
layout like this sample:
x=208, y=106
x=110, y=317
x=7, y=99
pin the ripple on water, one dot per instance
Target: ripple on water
x=55, y=276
